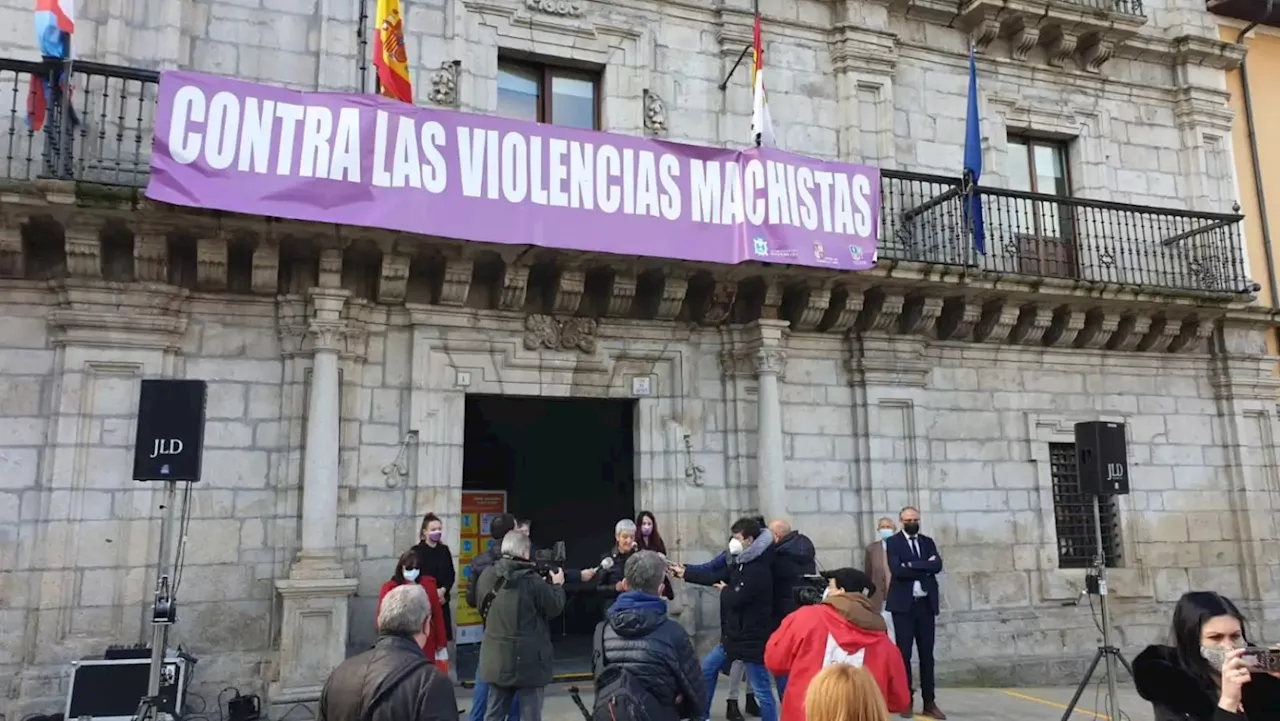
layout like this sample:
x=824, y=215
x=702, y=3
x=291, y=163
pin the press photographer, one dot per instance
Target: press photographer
x=517, y=604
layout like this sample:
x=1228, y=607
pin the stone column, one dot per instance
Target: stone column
x=313, y=629
x=771, y=472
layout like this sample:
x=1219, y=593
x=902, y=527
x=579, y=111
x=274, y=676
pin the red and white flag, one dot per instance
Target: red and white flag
x=761, y=120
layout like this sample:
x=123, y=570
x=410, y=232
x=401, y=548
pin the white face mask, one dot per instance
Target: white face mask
x=826, y=592
x=886, y=533
x=411, y=575
x=735, y=547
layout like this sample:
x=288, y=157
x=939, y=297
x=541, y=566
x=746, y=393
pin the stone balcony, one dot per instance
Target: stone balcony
x=92, y=156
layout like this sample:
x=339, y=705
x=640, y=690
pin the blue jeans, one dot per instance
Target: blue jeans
x=781, y=681
x=758, y=679
x=480, y=699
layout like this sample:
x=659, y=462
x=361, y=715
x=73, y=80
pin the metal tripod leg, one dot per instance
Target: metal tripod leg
x=1084, y=683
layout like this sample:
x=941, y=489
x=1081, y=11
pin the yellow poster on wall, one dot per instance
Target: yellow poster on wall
x=479, y=508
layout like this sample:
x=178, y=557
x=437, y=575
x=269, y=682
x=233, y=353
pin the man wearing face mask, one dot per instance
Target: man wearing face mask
x=394, y=680
x=746, y=612
x=914, y=564
x=876, y=562
x=844, y=628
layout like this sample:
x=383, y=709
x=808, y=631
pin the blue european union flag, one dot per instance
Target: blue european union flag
x=973, y=162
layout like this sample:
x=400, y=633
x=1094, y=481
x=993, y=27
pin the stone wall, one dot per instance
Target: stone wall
x=959, y=429
x=1143, y=99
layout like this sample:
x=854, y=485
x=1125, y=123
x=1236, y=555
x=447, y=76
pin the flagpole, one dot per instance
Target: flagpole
x=754, y=69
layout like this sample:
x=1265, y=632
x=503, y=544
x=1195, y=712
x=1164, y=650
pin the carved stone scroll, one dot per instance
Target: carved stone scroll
x=456, y=284
x=622, y=294
x=1098, y=328
x=675, y=285
x=515, y=282
x=997, y=321
x=1033, y=322
x=444, y=84
x=655, y=114
x=1066, y=324
x=266, y=268
x=845, y=314
x=393, y=281
x=11, y=262
x=1161, y=333
x=816, y=301
x=544, y=331
x=957, y=319
x=570, y=286
x=880, y=311
x=84, y=251
x=151, y=255
x=918, y=313
x=720, y=303
x=1129, y=332
x=1060, y=45
x=1191, y=335
x=211, y=262
x=330, y=268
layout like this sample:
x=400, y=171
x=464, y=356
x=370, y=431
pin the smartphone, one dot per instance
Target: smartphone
x=1262, y=660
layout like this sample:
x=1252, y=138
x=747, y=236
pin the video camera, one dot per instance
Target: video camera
x=547, y=561
x=808, y=589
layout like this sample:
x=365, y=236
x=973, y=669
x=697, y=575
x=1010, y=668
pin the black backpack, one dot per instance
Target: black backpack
x=619, y=695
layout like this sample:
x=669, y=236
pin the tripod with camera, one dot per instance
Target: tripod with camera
x=1103, y=468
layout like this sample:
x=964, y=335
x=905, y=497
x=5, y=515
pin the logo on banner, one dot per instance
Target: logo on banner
x=856, y=252
x=761, y=246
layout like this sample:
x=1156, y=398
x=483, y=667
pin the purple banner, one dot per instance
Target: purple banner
x=363, y=160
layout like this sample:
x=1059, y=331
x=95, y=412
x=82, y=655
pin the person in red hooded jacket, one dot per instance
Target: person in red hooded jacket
x=407, y=571
x=844, y=628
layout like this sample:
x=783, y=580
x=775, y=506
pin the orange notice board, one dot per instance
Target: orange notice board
x=479, y=508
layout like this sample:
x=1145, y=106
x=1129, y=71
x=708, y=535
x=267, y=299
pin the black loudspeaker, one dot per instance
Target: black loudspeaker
x=170, y=438
x=1102, y=458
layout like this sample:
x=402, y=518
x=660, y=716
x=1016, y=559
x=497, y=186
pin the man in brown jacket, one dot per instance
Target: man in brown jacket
x=876, y=564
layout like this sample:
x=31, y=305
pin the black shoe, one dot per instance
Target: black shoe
x=753, y=708
x=731, y=712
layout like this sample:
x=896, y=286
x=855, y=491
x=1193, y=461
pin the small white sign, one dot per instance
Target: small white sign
x=640, y=386
x=464, y=379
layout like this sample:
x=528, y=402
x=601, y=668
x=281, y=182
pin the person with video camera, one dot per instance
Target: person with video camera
x=517, y=604
x=803, y=644
x=499, y=527
x=643, y=661
x=1210, y=673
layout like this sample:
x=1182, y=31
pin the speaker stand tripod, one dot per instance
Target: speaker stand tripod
x=164, y=612
x=1106, y=652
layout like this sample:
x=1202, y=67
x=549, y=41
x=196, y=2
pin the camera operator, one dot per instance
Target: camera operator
x=793, y=558
x=516, y=654
x=843, y=628
x=1209, y=673
x=525, y=526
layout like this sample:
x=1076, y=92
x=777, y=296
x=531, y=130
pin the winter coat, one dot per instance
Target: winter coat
x=746, y=603
x=1178, y=696
x=845, y=628
x=438, y=640
x=608, y=580
x=516, y=651
x=437, y=562
x=422, y=694
x=794, y=556
x=482, y=560
x=657, y=651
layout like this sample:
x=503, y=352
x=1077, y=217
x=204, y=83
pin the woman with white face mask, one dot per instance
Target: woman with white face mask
x=1210, y=672
x=407, y=572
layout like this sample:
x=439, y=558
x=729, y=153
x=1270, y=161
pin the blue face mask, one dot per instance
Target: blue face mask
x=885, y=533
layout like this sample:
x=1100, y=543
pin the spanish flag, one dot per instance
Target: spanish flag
x=389, y=55
x=761, y=120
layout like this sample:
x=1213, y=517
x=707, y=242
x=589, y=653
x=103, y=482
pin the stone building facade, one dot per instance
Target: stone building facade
x=832, y=399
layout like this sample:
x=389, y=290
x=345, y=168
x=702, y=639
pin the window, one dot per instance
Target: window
x=1044, y=229
x=548, y=94
x=1073, y=514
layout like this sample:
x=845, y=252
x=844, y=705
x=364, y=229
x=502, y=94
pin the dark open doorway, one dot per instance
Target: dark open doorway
x=568, y=466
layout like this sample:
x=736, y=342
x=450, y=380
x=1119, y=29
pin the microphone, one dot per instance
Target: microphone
x=606, y=564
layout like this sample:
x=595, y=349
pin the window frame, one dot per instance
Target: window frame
x=1062, y=150
x=1113, y=545
x=547, y=73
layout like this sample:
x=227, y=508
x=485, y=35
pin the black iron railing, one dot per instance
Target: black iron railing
x=79, y=121
x=98, y=128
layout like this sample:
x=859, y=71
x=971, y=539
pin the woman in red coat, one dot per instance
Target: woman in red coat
x=407, y=572
x=844, y=628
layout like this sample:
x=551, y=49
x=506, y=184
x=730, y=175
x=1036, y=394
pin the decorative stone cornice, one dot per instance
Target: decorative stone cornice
x=1068, y=31
x=97, y=314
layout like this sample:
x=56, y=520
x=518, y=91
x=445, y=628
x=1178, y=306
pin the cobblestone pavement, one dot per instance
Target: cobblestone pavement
x=960, y=704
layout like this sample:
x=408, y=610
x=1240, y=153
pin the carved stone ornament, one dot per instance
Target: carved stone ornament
x=655, y=113
x=543, y=331
x=568, y=8
x=444, y=84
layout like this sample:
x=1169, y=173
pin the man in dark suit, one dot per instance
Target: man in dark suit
x=914, y=565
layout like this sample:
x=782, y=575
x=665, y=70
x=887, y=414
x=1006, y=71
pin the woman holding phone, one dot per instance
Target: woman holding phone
x=1210, y=673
